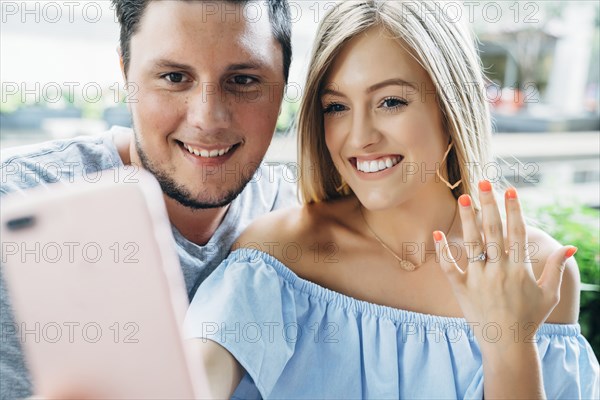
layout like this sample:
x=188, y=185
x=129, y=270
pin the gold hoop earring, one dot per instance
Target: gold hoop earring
x=343, y=188
x=437, y=170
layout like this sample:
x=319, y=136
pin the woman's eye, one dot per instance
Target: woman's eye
x=334, y=108
x=393, y=103
x=174, y=77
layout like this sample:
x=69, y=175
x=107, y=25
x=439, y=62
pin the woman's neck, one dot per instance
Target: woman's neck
x=408, y=227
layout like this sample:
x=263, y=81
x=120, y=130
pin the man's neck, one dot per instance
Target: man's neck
x=197, y=226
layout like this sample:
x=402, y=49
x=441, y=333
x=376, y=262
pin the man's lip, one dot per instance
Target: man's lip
x=200, y=160
x=208, y=147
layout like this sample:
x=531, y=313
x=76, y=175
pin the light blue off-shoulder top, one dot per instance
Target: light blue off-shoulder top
x=299, y=340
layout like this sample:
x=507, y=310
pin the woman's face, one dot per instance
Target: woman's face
x=383, y=126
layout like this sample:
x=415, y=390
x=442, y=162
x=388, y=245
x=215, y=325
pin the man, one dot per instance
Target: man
x=208, y=79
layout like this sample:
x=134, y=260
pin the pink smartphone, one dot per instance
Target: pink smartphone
x=97, y=291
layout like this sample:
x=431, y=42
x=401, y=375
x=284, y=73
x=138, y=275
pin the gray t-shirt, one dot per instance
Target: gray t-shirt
x=65, y=161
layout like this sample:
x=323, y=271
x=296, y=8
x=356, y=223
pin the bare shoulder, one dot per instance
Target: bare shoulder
x=541, y=245
x=278, y=226
x=292, y=234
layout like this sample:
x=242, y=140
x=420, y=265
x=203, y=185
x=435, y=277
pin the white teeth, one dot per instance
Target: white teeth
x=206, y=153
x=373, y=166
x=377, y=165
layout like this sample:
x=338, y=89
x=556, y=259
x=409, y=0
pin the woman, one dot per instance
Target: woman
x=395, y=279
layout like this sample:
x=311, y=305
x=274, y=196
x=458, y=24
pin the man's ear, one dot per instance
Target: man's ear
x=123, y=73
x=282, y=100
x=121, y=63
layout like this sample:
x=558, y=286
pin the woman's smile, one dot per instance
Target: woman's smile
x=374, y=165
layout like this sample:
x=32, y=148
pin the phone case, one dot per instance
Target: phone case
x=97, y=290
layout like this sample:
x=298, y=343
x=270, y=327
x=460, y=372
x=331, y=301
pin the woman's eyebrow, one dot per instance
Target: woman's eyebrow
x=391, y=82
x=372, y=88
x=332, y=92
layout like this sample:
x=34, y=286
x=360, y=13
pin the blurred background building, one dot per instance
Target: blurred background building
x=60, y=78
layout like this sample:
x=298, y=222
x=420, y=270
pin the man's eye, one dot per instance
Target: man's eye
x=243, y=80
x=174, y=77
x=333, y=108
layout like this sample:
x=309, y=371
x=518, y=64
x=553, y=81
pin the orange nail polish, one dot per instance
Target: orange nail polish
x=485, y=186
x=437, y=236
x=511, y=193
x=464, y=200
x=570, y=251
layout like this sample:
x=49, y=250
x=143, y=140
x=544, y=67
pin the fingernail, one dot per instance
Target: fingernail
x=485, y=186
x=465, y=200
x=437, y=236
x=511, y=193
x=570, y=251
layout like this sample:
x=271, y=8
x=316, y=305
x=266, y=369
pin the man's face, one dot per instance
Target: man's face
x=209, y=85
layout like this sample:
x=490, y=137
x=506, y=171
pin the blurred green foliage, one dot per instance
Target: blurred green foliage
x=580, y=226
x=286, y=116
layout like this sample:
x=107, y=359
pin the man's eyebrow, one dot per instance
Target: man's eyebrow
x=246, y=65
x=165, y=63
x=372, y=88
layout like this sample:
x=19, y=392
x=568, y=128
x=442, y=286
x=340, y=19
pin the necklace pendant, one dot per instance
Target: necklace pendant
x=407, y=265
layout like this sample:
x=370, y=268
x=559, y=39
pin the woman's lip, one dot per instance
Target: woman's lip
x=354, y=160
x=375, y=157
x=376, y=175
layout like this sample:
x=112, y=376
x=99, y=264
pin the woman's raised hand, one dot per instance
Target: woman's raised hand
x=498, y=292
x=499, y=295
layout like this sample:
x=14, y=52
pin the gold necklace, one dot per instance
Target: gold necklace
x=404, y=264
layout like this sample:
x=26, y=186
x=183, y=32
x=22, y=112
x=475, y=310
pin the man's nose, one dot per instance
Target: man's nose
x=208, y=109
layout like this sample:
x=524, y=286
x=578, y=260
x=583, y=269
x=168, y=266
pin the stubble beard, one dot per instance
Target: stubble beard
x=180, y=193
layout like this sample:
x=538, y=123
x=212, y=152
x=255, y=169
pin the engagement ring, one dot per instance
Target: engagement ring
x=480, y=257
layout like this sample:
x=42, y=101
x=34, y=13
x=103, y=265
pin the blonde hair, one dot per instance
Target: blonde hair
x=444, y=49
